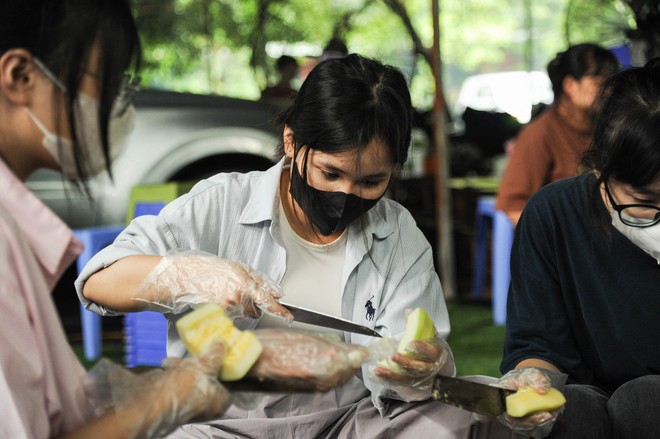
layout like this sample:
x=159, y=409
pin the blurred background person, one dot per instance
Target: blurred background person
x=287, y=70
x=336, y=48
x=550, y=147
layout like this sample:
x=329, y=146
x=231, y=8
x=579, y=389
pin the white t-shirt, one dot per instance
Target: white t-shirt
x=313, y=276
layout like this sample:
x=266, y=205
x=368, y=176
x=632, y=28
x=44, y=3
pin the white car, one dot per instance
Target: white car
x=177, y=137
x=512, y=92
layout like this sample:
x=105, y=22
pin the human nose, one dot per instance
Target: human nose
x=349, y=187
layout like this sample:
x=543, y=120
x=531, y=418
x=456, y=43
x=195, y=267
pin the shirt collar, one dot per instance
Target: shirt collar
x=47, y=235
x=264, y=205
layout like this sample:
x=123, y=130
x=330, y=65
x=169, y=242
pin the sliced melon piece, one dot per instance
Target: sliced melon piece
x=242, y=355
x=208, y=324
x=419, y=326
x=527, y=401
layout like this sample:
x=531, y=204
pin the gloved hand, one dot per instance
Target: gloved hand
x=410, y=375
x=154, y=403
x=191, y=278
x=536, y=425
x=305, y=360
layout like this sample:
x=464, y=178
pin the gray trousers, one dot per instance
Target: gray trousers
x=631, y=412
x=345, y=414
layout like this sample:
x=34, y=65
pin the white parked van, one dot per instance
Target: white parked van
x=512, y=92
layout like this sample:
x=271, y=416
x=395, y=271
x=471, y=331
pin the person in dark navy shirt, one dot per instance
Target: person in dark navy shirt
x=585, y=277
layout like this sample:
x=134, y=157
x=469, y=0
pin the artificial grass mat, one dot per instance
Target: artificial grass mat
x=475, y=341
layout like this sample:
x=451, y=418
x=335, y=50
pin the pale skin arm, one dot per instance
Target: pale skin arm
x=139, y=416
x=149, y=410
x=108, y=426
x=116, y=286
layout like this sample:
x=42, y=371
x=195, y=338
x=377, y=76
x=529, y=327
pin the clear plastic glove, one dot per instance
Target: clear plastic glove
x=536, y=425
x=153, y=403
x=190, y=278
x=305, y=360
x=410, y=375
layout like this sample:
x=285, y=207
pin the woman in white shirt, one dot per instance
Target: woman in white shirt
x=318, y=225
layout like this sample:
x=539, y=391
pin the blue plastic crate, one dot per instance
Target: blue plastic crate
x=145, y=336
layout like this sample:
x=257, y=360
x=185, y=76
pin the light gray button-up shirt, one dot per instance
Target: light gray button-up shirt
x=388, y=264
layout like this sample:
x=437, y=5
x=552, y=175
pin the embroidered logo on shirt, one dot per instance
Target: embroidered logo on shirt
x=371, y=311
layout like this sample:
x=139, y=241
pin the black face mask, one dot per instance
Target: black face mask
x=329, y=211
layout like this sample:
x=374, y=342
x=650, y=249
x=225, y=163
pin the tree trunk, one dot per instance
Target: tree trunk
x=443, y=203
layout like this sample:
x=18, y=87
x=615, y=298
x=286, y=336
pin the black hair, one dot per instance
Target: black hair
x=345, y=103
x=62, y=34
x=580, y=60
x=626, y=141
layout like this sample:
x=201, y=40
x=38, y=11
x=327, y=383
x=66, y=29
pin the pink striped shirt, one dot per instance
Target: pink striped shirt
x=41, y=393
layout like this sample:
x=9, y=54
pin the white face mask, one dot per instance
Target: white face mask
x=86, y=110
x=646, y=238
x=89, y=135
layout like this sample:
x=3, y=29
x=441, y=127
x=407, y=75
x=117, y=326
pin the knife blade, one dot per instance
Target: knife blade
x=315, y=318
x=469, y=395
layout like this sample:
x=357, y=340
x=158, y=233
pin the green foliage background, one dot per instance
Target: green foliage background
x=229, y=46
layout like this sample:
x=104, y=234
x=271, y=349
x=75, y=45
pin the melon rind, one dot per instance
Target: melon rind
x=419, y=326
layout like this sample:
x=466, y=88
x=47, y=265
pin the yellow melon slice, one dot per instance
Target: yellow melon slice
x=527, y=401
x=419, y=326
x=208, y=324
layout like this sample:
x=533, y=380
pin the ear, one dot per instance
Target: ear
x=289, y=141
x=17, y=76
x=569, y=84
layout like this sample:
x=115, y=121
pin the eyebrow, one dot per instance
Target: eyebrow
x=646, y=192
x=333, y=168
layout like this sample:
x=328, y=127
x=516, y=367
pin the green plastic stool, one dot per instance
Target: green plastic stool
x=157, y=195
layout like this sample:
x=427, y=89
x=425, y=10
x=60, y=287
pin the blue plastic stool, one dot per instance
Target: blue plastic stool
x=94, y=239
x=503, y=231
x=483, y=220
x=488, y=218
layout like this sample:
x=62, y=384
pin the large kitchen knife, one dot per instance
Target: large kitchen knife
x=310, y=317
x=479, y=398
x=469, y=395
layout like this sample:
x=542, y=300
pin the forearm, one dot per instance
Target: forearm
x=117, y=286
x=133, y=421
x=108, y=426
